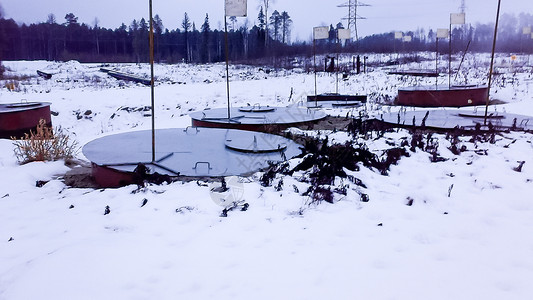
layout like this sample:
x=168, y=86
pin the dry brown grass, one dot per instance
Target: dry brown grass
x=44, y=144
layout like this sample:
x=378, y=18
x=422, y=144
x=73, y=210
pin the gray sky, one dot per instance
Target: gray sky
x=382, y=16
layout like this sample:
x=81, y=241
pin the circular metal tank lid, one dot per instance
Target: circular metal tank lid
x=22, y=105
x=14, y=107
x=273, y=116
x=442, y=87
x=450, y=119
x=191, y=152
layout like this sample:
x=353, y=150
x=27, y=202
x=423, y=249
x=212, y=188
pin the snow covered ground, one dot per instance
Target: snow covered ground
x=457, y=229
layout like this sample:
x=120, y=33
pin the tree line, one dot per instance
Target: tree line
x=268, y=39
x=52, y=40
x=476, y=38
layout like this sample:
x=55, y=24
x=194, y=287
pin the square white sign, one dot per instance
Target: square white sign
x=320, y=33
x=236, y=8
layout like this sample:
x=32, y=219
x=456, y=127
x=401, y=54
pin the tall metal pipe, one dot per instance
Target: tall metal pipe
x=227, y=63
x=152, y=78
x=492, y=60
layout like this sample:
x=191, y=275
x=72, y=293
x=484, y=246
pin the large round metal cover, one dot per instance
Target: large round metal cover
x=23, y=105
x=274, y=116
x=453, y=118
x=189, y=152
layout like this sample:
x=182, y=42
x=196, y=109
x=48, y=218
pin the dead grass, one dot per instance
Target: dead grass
x=44, y=144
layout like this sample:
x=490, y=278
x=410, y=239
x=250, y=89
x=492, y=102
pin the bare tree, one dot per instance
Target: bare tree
x=51, y=19
x=245, y=29
x=96, y=22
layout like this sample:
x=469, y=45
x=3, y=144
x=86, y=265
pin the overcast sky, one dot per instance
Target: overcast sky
x=381, y=16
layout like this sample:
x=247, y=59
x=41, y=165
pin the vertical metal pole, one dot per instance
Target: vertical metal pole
x=437, y=65
x=338, y=64
x=152, y=79
x=450, y=58
x=492, y=61
x=227, y=63
x=314, y=63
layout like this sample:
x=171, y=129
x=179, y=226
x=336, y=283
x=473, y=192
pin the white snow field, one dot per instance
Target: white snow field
x=467, y=234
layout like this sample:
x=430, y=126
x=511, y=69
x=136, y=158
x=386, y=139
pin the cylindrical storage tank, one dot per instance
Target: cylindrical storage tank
x=191, y=152
x=442, y=96
x=17, y=119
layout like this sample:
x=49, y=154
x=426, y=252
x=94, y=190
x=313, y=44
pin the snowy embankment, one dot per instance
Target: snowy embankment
x=455, y=229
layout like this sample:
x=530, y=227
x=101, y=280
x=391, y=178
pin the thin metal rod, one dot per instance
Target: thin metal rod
x=450, y=58
x=152, y=79
x=338, y=64
x=462, y=60
x=437, y=64
x=314, y=63
x=492, y=60
x=227, y=63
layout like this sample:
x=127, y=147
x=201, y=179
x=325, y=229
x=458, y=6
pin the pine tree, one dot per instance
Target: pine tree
x=261, y=19
x=204, y=50
x=286, y=23
x=275, y=22
x=266, y=6
x=158, y=32
x=71, y=19
x=233, y=20
x=186, y=25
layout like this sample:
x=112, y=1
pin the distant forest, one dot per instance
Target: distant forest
x=268, y=39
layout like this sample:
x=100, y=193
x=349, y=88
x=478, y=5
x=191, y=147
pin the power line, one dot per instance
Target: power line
x=352, y=17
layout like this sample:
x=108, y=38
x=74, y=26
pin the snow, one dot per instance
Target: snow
x=467, y=234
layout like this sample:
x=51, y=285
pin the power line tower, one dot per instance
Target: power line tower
x=462, y=9
x=352, y=17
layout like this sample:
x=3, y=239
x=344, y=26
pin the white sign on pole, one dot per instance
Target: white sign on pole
x=443, y=33
x=320, y=33
x=526, y=30
x=407, y=38
x=343, y=34
x=398, y=35
x=236, y=8
x=457, y=19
